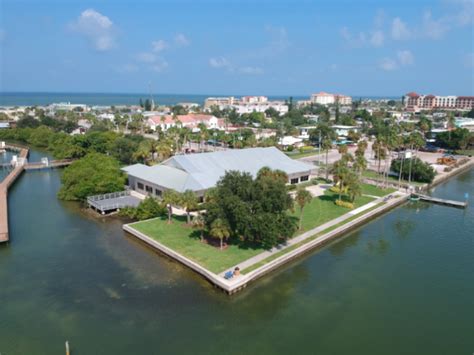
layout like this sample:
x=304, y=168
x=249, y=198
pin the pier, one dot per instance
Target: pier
x=4, y=186
x=440, y=201
x=16, y=171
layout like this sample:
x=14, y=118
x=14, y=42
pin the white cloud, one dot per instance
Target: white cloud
x=400, y=30
x=181, y=40
x=158, y=46
x=405, y=57
x=251, y=70
x=279, y=40
x=159, y=65
x=388, y=64
x=377, y=38
x=220, y=62
x=434, y=29
x=127, y=68
x=97, y=28
x=146, y=57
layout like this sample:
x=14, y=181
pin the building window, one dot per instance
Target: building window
x=304, y=178
x=149, y=189
x=294, y=181
x=140, y=186
x=157, y=192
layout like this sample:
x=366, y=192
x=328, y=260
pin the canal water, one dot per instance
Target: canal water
x=403, y=284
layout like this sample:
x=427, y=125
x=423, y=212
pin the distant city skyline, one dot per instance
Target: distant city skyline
x=273, y=48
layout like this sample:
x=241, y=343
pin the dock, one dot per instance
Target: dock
x=16, y=170
x=441, y=201
x=4, y=186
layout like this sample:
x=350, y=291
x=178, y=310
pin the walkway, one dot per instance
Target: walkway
x=4, y=186
x=262, y=256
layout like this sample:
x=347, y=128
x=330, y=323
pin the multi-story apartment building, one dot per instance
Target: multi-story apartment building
x=324, y=98
x=415, y=102
x=247, y=104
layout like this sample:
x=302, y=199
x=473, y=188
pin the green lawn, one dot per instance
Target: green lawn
x=299, y=155
x=297, y=245
x=322, y=209
x=186, y=240
x=374, y=175
x=373, y=190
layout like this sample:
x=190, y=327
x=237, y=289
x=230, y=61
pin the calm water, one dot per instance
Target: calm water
x=30, y=99
x=404, y=284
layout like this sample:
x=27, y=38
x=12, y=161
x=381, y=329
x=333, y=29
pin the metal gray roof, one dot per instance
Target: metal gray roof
x=202, y=171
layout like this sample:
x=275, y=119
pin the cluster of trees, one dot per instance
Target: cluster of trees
x=250, y=211
x=94, y=174
x=348, y=170
x=418, y=171
x=459, y=138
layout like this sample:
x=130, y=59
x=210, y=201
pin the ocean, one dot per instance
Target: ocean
x=107, y=99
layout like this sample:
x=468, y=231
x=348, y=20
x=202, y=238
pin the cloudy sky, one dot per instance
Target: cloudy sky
x=238, y=47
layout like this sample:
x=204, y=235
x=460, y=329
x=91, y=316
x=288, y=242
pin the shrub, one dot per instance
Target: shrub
x=344, y=204
x=337, y=189
x=148, y=208
x=306, y=148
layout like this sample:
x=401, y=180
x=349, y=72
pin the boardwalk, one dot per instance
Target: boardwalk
x=4, y=186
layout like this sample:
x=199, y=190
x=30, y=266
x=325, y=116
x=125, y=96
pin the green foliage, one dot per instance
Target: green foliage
x=455, y=139
x=254, y=209
x=420, y=171
x=94, y=174
x=148, y=208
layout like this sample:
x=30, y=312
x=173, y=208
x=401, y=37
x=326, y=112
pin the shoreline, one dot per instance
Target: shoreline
x=235, y=285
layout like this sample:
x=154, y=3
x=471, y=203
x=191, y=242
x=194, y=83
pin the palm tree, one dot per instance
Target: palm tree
x=360, y=164
x=220, y=230
x=353, y=185
x=189, y=202
x=326, y=145
x=302, y=198
x=343, y=149
x=199, y=223
x=170, y=198
x=450, y=124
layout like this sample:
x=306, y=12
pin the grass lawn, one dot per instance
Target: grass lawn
x=373, y=190
x=322, y=209
x=186, y=241
x=297, y=245
x=299, y=155
x=374, y=175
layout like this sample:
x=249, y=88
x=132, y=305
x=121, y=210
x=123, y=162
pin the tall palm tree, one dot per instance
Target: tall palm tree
x=170, y=198
x=353, y=185
x=302, y=198
x=326, y=145
x=189, y=202
x=220, y=230
x=199, y=223
x=450, y=124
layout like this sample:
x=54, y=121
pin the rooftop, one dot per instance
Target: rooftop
x=202, y=171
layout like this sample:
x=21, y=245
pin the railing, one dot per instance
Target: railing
x=93, y=200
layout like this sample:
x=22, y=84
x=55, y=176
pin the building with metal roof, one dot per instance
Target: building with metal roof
x=200, y=172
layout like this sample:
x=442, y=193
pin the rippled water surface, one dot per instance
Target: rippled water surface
x=403, y=284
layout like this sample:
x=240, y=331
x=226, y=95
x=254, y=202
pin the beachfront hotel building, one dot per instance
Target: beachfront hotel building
x=200, y=172
x=246, y=104
x=191, y=121
x=324, y=98
x=415, y=102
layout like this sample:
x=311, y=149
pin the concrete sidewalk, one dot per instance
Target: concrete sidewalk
x=262, y=256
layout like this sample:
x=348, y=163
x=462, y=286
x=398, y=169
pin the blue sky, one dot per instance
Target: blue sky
x=238, y=47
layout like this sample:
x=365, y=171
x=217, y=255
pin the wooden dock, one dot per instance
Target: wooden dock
x=51, y=165
x=441, y=201
x=4, y=186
